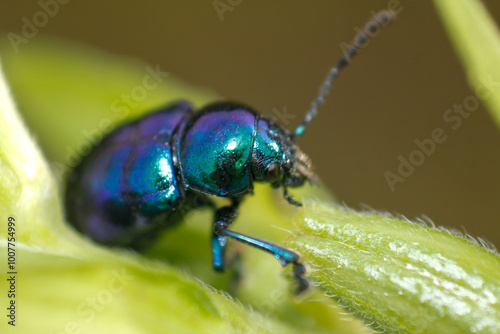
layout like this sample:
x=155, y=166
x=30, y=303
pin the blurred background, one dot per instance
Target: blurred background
x=273, y=55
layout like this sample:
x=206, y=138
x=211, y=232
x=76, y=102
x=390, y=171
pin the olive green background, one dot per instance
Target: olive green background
x=275, y=54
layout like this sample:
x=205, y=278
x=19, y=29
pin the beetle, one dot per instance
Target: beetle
x=142, y=176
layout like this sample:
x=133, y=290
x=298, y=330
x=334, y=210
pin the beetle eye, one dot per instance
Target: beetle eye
x=273, y=172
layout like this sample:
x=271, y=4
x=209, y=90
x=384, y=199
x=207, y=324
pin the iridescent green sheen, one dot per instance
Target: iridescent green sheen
x=215, y=151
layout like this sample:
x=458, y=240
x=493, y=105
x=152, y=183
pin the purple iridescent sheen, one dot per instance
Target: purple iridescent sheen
x=127, y=185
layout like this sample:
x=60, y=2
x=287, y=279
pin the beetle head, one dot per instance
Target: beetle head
x=277, y=160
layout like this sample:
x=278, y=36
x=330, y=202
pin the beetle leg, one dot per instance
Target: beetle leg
x=218, y=251
x=219, y=242
x=225, y=217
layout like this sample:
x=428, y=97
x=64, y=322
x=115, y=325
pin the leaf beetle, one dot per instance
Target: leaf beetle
x=138, y=179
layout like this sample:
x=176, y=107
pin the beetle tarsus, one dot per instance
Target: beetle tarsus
x=289, y=198
x=298, y=273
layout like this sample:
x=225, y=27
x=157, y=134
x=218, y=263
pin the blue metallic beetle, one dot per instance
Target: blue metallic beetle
x=145, y=174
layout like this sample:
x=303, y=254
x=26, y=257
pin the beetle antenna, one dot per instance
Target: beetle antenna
x=381, y=19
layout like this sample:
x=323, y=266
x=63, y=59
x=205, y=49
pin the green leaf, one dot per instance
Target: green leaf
x=477, y=42
x=401, y=276
x=107, y=293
